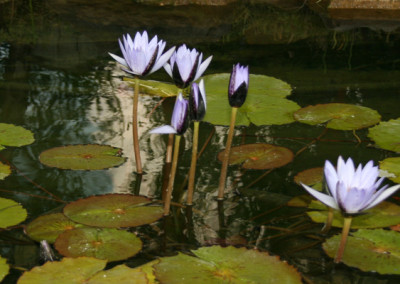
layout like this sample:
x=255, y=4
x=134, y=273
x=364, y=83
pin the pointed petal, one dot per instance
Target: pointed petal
x=162, y=60
x=385, y=194
x=331, y=178
x=324, y=198
x=118, y=59
x=203, y=93
x=165, y=129
x=168, y=69
x=202, y=68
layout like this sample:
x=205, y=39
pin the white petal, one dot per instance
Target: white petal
x=324, y=198
x=162, y=60
x=119, y=59
x=168, y=68
x=202, y=68
x=165, y=129
x=385, y=194
x=331, y=178
x=203, y=92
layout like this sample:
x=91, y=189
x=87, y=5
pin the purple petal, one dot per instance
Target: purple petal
x=165, y=129
x=203, y=66
x=382, y=195
x=162, y=60
x=331, y=178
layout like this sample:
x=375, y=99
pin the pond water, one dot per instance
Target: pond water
x=57, y=80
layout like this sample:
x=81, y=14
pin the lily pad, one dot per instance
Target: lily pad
x=113, y=211
x=119, y=274
x=5, y=171
x=392, y=168
x=369, y=250
x=49, y=227
x=12, y=135
x=154, y=88
x=383, y=215
x=386, y=135
x=82, y=157
x=338, y=116
x=109, y=244
x=4, y=268
x=225, y=265
x=11, y=213
x=312, y=177
x=259, y=156
x=265, y=103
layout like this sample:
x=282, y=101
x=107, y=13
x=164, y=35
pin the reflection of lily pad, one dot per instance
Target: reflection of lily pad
x=225, y=265
x=11, y=135
x=113, y=211
x=338, y=116
x=369, y=250
x=312, y=177
x=392, y=168
x=384, y=214
x=109, y=244
x=82, y=157
x=11, y=213
x=155, y=88
x=259, y=156
x=48, y=227
x=386, y=135
x=265, y=103
x=5, y=171
x=4, y=268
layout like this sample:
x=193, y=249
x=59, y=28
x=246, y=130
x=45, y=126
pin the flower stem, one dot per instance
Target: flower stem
x=135, y=130
x=168, y=196
x=329, y=221
x=345, y=233
x=224, y=169
x=193, y=163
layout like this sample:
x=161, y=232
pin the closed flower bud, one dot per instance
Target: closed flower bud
x=197, y=101
x=238, y=85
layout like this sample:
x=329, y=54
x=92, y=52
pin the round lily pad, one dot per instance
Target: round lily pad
x=113, y=211
x=386, y=135
x=11, y=213
x=369, y=250
x=338, y=116
x=312, y=177
x=265, y=103
x=119, y=274
x=259, y=156
x=49, y=227
x=11, y=135
x=5, y=171
x=154, y=88
x=383, y=215
x=82, y=157
x=4, y=268
x=225, y=265
x=102, y=243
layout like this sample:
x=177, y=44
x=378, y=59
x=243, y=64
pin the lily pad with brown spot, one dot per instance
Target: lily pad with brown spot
x=386, y=135
x=225, y=265
x=5, y=171
x=11, y=213
x=16, y=136
x=259, y=156
x=338, y=116
x=312, y=177
x=101, y=243
x=113, y=211
x=82, y=157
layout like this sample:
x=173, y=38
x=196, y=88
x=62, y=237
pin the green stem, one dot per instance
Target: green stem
x=329, y=221
x=224, y=169
x=193, y=163
x=168, y=196
x=135, y=130
x=345, y=233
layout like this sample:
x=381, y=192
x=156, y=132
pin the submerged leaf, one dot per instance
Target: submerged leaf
x=386, y=135
x=11, y=213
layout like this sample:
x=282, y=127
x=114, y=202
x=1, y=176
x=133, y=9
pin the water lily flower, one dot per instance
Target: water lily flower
x=352, y=190
x=197, y=101
x=185, y=66
x=141, y=56
x=238, y=85
x=179, y=121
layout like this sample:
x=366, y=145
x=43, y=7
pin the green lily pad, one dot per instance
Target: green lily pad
x=11, y=213
x=109, y=244
x=259, y=156
x=4, y=268
x=82, y=157
x=148, y=269
x=386, y=135
x=384, y=214
x=225, y=265
x=119, y=274
x=300, y=201
x=312, y=177
x=338, y=116
x=49, y=227
x=113, y=211
x=265, y=103
x=391, y=167
x=154, y=88
x=369, y=250
x=11, y=135
x=5, y=171
x=66, y=271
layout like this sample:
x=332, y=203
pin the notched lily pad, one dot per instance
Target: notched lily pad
x=113, y=211
x=391, y=166
x=369, y=250
x=386, y=135
x=312, y=177
x=338, y=116
x=259, y=156
x=109, y=244
x=5, y=171
x=11, y=213
x=12, y=135
x=4, y=268
x=82, y=157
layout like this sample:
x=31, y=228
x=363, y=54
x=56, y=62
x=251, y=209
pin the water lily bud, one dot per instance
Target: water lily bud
x=238, y=85
x=197, y=101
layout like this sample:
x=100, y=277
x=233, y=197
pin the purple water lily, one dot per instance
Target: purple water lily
x=185, y=66
x=179, y=121
x=197, y=101
x=141, y=56
x=238, y=85
x=352, y=190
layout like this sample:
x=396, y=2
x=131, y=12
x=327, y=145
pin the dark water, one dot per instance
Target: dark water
x=57, y=80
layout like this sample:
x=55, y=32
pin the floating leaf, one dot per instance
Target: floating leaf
x=113, y=211
x=119, y=274
x=386, y=135
x=49, y=227
x=82, y=157
x=392, y=168
x=5, y=171
x=225, y=265
x=265, y=103
x=300, y=201
x=109, y=244
x=11, y=213
x=369, y=250
x=259, y=156
x=384, y=214
x=66, y=271
x=11, y=135
x=312, y=177
x=148, y=269
x=4, y=268
x=338, y=116
x=155, y=88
